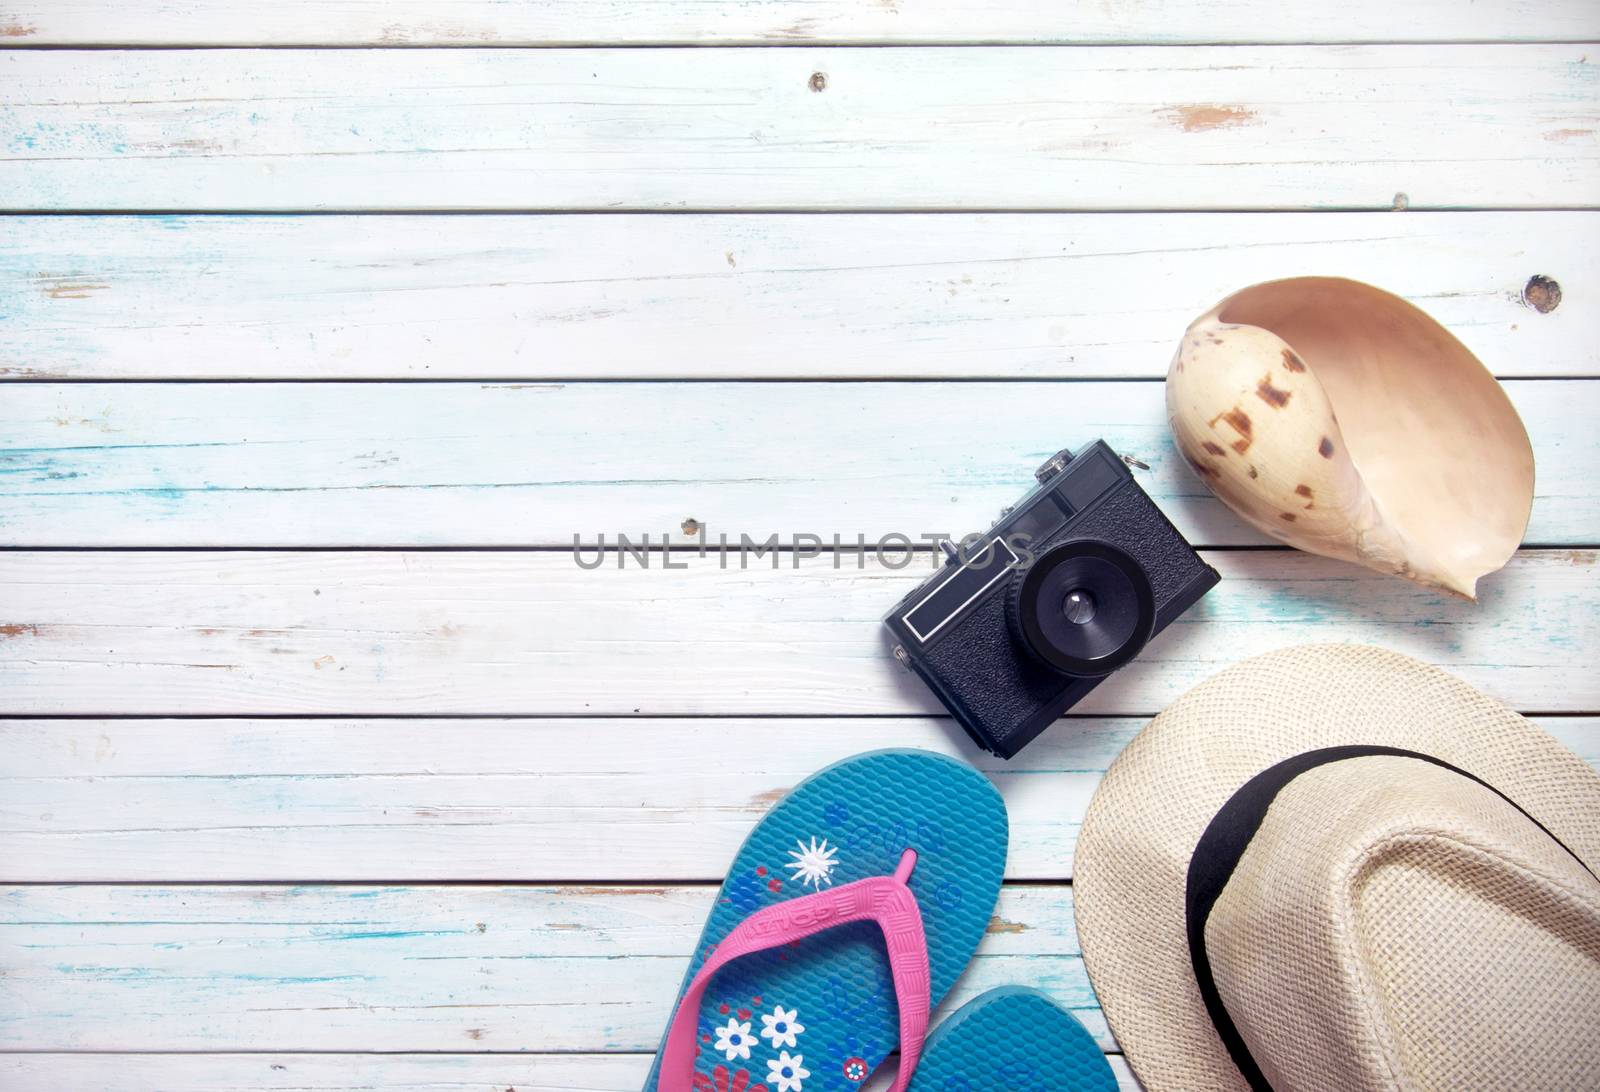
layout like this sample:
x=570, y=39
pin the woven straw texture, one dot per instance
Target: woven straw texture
x=1392, y=925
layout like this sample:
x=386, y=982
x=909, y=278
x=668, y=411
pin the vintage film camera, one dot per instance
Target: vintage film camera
x=1068, y=586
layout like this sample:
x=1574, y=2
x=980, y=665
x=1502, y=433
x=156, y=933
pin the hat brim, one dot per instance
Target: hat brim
x=1161, y=793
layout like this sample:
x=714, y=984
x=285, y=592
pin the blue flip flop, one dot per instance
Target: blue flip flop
x=850, y=910
x=1012, y=1040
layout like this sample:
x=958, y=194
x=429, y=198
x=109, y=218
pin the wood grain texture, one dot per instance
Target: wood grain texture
x=284, y=1072
x=930, y=128
x=480, y=967
x=513, y=632
x=569, y=942
x=289, y=1072
x=583, y=22
x=590, y=800
x=743, y=296
x=520, y=464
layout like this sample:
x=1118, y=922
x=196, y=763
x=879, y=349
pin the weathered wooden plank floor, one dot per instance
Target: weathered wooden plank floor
x=865, y=295
x=471, y=464
x=295, y=1072
x=441, y=799
x=324, y=766
x=710, y=22
x=513, y=632
x=424, y=968
x=1106, y=127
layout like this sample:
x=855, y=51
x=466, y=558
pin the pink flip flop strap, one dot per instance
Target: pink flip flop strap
x=882, y=899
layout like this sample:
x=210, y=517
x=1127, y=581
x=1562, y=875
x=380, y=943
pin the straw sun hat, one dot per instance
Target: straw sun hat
x=1334, y=867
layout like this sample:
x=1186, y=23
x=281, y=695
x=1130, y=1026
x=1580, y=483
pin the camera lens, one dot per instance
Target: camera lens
x=1084, y=608
x=1079, y=606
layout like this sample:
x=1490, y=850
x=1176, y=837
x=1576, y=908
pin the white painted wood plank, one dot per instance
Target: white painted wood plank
x=589, y=799
x=434, y=800
x=468, y=464
x=349, y=1072
x=582, y=22
x=928, y=128
x=284, y=1072
x=512, y=632
x=477, y=967
x=856, y=295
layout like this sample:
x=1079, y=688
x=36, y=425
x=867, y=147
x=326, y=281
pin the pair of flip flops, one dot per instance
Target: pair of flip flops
x=847, y=915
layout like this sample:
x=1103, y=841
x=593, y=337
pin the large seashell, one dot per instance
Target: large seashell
x=1344, y=421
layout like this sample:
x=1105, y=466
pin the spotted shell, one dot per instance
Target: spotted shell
x=1342, y=420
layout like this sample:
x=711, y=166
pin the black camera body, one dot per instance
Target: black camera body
x=1067, y=587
